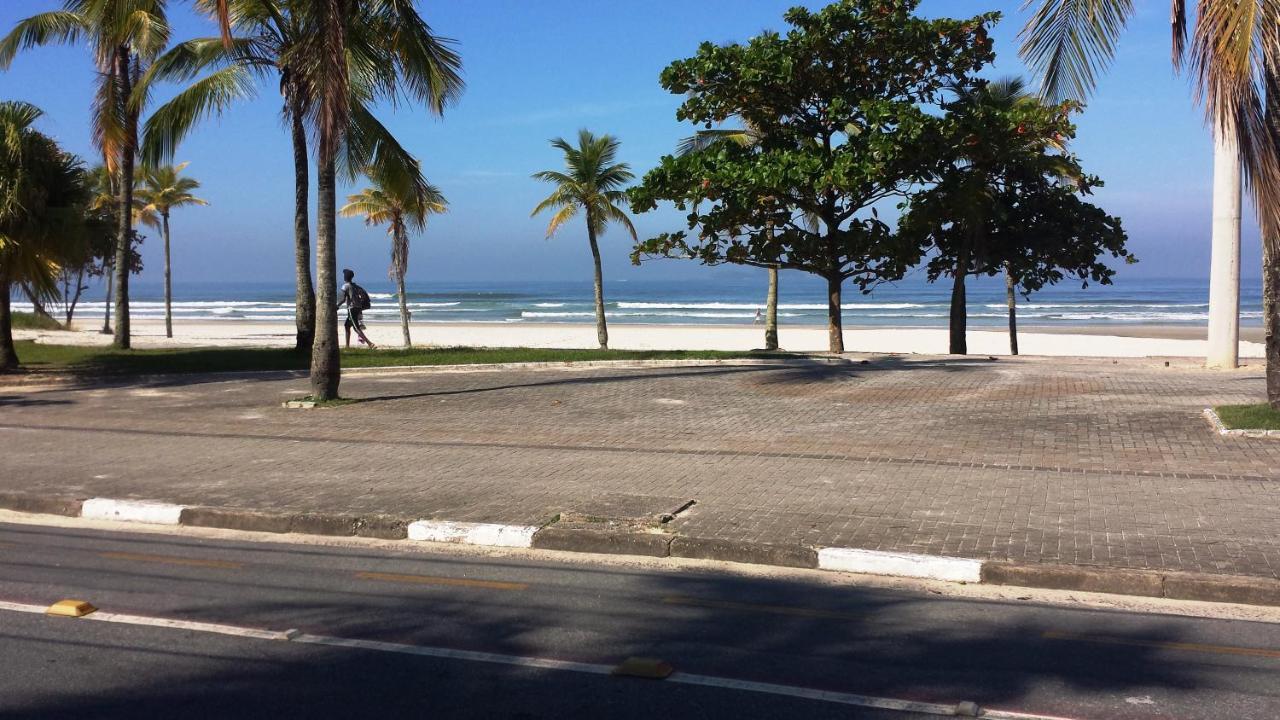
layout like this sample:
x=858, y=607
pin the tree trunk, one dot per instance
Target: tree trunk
x=835, y=320
x=404, y=310
x=37, y=307
x=124, y=233
x=771, y=311
x=8, y=355
x=73, y=299
x=1271, y=257
x=304, y=291
x=1011, y=297
x=602, y=331
x=168, y=279
x=1224, y=267
x=106, y=299
x=325, y=362
x=959, y=310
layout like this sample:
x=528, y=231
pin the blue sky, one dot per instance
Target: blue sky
x=538, y=70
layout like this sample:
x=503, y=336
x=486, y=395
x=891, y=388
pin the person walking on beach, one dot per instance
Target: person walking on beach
x=357, y=301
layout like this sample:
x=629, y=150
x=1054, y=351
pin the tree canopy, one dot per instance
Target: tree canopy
x=845, y=108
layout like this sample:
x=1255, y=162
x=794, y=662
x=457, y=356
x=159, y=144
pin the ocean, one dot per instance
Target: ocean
x=732, y=299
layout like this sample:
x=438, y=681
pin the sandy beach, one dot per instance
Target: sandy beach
x=1095, y=341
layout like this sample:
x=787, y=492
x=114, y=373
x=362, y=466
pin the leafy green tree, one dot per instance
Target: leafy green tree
x=841, y=103
x=123, y=37
x=42, y=198
x=334, y=59
x=163, y=189
x=591, y=183
x=403, y=207
x=1011, y=201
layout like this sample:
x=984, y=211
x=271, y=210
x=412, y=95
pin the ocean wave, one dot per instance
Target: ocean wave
x=754, y=306
x=658, y=313
x=548, y=305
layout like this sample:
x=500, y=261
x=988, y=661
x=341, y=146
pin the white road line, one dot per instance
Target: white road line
x=840, y=698
x=912, y=565
x=448, y=654
x=141, y=511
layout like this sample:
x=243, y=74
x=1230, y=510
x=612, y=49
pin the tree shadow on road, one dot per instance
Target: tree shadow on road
x=783, y=630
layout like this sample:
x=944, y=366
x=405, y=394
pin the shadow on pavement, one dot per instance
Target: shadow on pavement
x=783, y=631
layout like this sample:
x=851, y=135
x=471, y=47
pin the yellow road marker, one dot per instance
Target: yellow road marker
x=172, y=560
x=1189, y=647
x=70, y=608
x=641, y=667
x=433, y=580
x=769, y=609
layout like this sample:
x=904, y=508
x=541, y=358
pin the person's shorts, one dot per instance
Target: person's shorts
x=357, y=316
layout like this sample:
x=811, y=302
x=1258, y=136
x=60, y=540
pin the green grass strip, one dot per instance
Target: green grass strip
x=108, y=361
x=1249, y=417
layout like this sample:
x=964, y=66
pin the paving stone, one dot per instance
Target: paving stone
x=1047, y=460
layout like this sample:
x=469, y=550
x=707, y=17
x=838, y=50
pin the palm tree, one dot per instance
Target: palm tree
x=123, y=37
x=591, y=183
x=163, y=189
x=334, y=60
x=1234, y=54
x=403, y=207
x=102, y=205
x=42, y=194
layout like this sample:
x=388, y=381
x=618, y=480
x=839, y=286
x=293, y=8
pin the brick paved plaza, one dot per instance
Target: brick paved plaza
x=1091, y=462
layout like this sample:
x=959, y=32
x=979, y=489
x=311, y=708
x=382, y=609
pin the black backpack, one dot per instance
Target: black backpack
x=360, y=297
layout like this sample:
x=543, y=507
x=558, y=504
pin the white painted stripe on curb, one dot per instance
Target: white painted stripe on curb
x=869, y=701
x=912, y=565
x=515, y=536
x=142, y=511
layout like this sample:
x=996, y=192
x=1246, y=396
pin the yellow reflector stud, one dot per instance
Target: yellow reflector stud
x=70, y=608
x=640, y=667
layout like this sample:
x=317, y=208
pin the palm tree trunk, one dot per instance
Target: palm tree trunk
x=1224, y=268
x=168, y=279
x=404, y=310
x=771, y=311
x=325, y=363
x=959, y=311
x=106, y=299
x=1011, y=297
x=304, y=292
x=37, y=307
x=602, y=331
x=1271, y=258
x=124, y=233
x=835, y=321
x=8, y=355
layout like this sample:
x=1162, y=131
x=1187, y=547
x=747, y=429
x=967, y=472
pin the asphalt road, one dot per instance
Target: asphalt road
x=421, y=622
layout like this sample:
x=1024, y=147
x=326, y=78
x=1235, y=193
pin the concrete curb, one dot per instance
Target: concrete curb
x=1204, y=587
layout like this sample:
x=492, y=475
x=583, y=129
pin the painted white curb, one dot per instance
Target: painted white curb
x=1216, y=422
x=912, y=565
x=131, y=510
x=516, y=536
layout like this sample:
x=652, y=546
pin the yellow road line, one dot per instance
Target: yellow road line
x=171, y=560
x=1189, y=647
x=769, y=609
x=433, y=580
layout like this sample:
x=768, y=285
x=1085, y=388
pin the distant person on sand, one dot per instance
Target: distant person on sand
x=759, y=318
x=357, y=301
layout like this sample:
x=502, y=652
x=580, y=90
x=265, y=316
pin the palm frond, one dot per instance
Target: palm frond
x=59, y=26
x=1068, y=42
x=171, y=122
